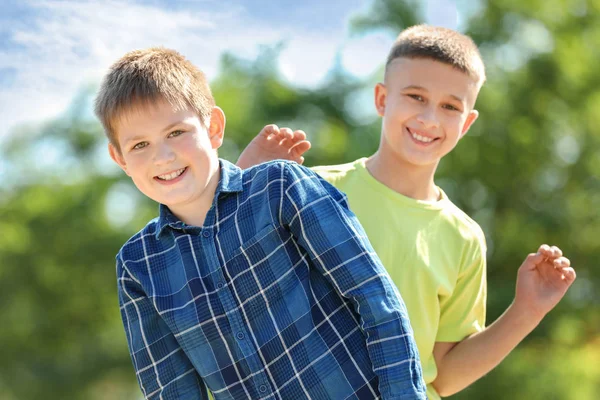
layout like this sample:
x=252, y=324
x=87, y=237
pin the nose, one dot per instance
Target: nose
x=428, y=117
x=163, y=154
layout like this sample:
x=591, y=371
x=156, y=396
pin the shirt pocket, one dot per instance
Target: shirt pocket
x=263, y=266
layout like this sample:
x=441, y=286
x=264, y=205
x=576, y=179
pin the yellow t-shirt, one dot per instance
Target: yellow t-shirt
x=433, y=251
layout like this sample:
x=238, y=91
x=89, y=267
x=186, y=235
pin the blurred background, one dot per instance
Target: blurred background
x=528, y=171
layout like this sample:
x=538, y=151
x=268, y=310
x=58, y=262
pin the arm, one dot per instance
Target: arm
x=273, y=143
x=318, y=216
x=162, y=368
x=542, y=281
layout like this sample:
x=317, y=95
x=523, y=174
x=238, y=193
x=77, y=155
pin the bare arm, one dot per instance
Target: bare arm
x=542, y=281
x=460, y=364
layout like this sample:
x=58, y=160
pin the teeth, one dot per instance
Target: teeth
x=421, y=138
x=172, y=175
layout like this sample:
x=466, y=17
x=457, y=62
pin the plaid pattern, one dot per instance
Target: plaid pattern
x=278, y=296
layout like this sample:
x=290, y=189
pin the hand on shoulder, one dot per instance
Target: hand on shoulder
x=273, y=143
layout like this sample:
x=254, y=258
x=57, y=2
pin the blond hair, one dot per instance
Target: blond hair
x=144, y=77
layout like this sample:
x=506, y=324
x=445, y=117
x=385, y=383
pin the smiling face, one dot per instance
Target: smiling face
x=427, y=106
x=170, y=156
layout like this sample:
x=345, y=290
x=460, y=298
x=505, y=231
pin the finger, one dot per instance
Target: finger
x=556, y=251
x=301, y=160
x=545, y=250
x=298, y=136
x=286, y=134
x=269, y=130
x=569, y=275
x=562, y=262
x=532, y=260
x=565, y=274
x=550, y=253
x=300, y=148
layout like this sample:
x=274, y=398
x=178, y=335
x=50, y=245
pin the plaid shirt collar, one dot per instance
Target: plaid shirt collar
x=229, y=182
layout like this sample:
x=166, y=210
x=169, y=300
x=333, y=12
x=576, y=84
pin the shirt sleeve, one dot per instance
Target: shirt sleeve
x=318, y=216
x=162, y=368
x=462, y=313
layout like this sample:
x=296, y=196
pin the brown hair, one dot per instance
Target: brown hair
x=439, y=44
x=143, y=77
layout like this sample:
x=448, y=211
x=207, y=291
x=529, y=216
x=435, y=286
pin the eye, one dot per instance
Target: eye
x=450, y=107
x=176, y=133
x=415, y=97
x=140, y=145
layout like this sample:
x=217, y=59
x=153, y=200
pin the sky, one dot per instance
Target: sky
x=50, y=49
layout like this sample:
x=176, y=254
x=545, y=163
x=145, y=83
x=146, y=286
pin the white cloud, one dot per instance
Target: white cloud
x=70, y=44
x=442, y=13
x=67, y=44
x=61, y=45
x=364, y=55
x=305, y=60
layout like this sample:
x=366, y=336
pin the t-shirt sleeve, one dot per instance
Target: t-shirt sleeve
x=462, y=312
x=326, y=174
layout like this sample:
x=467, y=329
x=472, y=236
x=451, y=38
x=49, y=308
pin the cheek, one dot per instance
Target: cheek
x=402, y=106
x=196, y=143
x=137, y=165
x=398, y=114
x=453, y=124
x=194, y=153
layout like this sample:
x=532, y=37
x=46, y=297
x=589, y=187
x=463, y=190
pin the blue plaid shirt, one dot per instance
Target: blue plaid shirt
x=278, y=296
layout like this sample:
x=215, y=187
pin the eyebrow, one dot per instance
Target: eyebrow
x=425, y=90
x=165, y=129
x=134, y=139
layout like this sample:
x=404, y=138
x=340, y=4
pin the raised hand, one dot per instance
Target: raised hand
x=273, y=143
x=542, y=280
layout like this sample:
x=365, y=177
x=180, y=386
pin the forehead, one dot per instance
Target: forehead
x=149, y=117
x=433, y=76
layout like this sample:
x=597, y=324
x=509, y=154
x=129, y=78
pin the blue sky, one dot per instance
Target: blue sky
x=50, y=48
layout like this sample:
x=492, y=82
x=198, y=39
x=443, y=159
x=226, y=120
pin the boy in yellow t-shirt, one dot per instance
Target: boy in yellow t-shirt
x=433, y=251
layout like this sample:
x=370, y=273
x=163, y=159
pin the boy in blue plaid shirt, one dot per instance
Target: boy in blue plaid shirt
x=251, y=284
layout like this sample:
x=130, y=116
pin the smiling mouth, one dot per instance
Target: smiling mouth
x=420, y=138
x=171, y=175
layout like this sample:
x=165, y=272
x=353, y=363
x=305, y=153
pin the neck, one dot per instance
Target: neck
x=409, y=180
x=194, y=212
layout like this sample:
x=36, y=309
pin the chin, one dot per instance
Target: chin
x=421, y=162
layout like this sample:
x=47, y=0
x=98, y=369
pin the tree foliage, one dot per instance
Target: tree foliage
x=528, y=172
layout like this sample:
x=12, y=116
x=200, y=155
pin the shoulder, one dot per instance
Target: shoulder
x=271, y=175
x=278, y=170
x=337, y=173
x=135, y=247
x=268, y=182
x=466, y=228
x=265, y=168
x=297, y=182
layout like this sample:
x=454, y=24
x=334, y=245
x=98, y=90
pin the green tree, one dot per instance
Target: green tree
x=528, y=171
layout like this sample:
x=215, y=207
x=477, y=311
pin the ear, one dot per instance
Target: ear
x=216, y=129
x=380, y=98
x=472, y=117
x=117, y=157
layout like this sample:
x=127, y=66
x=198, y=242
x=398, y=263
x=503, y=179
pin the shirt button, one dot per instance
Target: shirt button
x=262, y=388
x=206, y=234
x=220, y=285
x=240, y=335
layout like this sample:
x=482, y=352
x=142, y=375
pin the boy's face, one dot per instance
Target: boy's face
x=427, y=106
x=169, y=155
